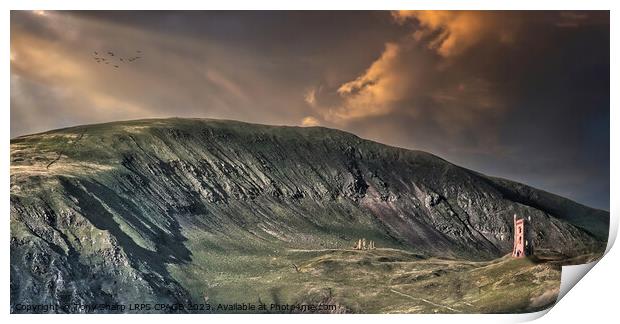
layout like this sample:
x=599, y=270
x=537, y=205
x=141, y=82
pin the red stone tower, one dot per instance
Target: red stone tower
x=521, y=245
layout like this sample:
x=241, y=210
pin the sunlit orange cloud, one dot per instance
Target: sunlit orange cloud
x=452, y=32
x=373, y=92
x=391, y=79
x=310, y=121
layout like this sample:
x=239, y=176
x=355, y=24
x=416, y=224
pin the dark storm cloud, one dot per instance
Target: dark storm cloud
x=521, y=95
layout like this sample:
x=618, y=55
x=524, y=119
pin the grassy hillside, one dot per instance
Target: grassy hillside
x=377, y=281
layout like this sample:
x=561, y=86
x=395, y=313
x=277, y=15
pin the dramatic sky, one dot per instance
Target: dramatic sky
x=520, y=95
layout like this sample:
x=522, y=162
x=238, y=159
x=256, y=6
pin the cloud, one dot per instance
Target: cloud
x=43, y=60
x=52, y=57
x=465, y=104
x=310, y=96
x=454, y=102
x=450, y=33
x=310, y=121
x=374, y=92
x=47, y=76
x=222, y=82
x=408, y=79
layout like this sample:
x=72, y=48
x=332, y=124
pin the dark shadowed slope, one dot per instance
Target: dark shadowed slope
x=102, y=212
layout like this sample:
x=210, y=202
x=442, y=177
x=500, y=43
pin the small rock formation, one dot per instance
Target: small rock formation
x=362, y=244
x=432, y=200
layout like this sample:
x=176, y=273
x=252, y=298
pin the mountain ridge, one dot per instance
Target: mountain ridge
x=75, y=127
x=148, y=202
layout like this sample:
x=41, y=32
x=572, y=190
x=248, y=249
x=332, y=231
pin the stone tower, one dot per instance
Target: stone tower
x=522, y=246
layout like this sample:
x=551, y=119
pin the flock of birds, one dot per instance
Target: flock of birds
x=115, y=60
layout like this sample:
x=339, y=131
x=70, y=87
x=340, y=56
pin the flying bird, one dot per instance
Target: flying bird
x=100, y=59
